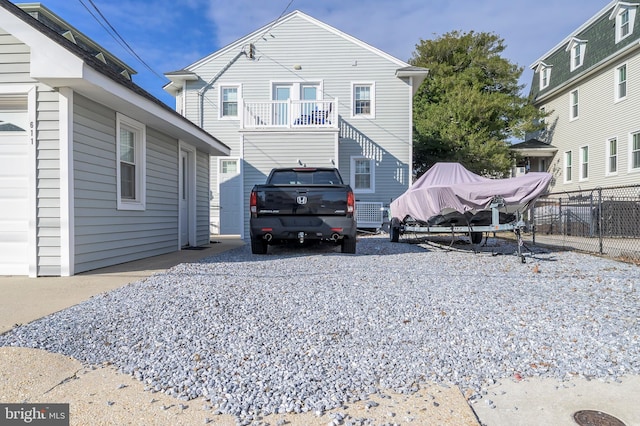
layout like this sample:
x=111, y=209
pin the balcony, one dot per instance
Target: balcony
x=289, y=114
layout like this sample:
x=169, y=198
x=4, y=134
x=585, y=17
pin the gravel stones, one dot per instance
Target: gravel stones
x=312, y=329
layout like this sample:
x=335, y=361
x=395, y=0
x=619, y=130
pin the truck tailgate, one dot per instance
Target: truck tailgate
x=318, y=200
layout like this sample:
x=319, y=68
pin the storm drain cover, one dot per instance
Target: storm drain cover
x=595, y=418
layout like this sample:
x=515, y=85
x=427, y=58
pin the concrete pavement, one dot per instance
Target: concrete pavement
x=102, y=396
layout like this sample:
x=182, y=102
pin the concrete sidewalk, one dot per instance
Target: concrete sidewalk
x=102, y=396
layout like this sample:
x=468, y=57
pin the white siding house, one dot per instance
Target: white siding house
x=298, y=92
x=590, y=85
x=94, y=171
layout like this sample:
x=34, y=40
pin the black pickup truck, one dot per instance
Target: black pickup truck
x=302, y=205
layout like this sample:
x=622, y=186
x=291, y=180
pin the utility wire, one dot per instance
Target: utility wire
x=117, y=37
x=274, y=22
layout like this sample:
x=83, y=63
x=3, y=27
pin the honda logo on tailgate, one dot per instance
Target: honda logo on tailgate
x=301, y=199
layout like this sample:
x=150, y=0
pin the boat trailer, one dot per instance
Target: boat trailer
x=471, y=225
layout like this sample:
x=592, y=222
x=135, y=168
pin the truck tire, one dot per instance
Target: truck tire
x=394, y=230
x=349, y=245
x=258, y=246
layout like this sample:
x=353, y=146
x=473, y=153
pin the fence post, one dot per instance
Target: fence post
x=600, y=220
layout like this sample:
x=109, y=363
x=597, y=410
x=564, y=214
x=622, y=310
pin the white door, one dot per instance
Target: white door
x=14, y=187
x=185, y=194
x=230, y=190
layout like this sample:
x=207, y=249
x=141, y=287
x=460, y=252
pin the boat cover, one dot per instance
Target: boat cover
x=448, y=188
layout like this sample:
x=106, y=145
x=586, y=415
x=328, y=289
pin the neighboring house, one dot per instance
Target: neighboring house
x=94, y=171
x=589, y=84
x=299, y=92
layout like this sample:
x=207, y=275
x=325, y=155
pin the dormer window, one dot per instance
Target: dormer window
x=624, y=15
x=544, y=71
x=577, y=48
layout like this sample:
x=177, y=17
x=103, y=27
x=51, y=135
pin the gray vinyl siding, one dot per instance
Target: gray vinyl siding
x=264, y=152
x=15, y=68
x=203, y=234
x=600, y=119
x=48, y=184
x=106, y=236
x=326, y=58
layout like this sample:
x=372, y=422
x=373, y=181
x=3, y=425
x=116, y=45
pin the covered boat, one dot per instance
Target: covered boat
x=449, y=194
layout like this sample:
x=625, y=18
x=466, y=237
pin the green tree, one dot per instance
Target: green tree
x=470, y=104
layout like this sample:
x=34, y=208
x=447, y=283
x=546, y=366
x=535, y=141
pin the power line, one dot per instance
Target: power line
x=116, y=35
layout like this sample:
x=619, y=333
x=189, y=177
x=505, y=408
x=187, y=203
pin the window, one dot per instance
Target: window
x=362, y=175
x=612, y=156
x=567, y=166
x=574, y=105
x=584, y=163
x=624, y=15
x=624, y=24
x=577, y=49
x=634, y=156
x=130, y=151
x=544, y=72
x=363, y=104
x=621, y=82
x=229, y=96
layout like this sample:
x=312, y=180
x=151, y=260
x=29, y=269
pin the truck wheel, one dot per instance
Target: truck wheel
x=258, y=246
x=476, y=237
x=394, y=230
x=349, y=245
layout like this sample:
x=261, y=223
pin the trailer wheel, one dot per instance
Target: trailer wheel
x=348, y=245
x=258, y=246
x=394, y=230
x=476, y=237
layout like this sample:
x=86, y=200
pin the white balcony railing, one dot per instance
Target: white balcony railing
x=289, y=114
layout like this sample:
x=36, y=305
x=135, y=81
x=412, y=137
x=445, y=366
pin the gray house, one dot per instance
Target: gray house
x=589, y=84
x=298, y=92
x=94, y=171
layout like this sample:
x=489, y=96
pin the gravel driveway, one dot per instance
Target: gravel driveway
x=311, y=329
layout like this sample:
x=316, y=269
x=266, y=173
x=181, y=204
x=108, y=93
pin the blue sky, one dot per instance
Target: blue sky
x=172, y=34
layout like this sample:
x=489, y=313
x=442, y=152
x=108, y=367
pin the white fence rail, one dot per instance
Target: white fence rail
x=289, y=114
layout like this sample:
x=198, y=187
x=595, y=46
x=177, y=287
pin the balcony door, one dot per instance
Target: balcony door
x=296, y=92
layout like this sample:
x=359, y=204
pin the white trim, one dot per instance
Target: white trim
x=352, y=106
x=372, y=175
x=630, y=164
x=541, y=68
x=572, y=46
x=571, y=105
x=139, y=129
x=582, y=163
x=616, y=86
x=607, y=170
x=616, y=14
x=237, y=86
x=191, y=185
x=564, y=167
x=67, y=201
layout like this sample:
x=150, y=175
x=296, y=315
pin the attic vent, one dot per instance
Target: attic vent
x=100, y=56
x=126, y=74
x=69, y=36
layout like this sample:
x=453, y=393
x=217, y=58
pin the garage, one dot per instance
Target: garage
x=14, y=185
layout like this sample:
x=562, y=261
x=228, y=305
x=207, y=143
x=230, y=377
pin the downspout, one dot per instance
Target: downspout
x=206, y=87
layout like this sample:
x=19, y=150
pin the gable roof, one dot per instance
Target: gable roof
x=404, y=69
x=59, y=61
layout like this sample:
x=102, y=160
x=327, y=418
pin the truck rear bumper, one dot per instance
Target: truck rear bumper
x=311, y=228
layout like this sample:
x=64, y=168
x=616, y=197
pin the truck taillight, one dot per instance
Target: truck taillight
x=351, y=202
x=253, y=202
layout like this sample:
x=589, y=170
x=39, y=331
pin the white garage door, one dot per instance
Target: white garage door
x=14, y=184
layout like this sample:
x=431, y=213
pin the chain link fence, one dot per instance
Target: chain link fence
x=605, y=221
